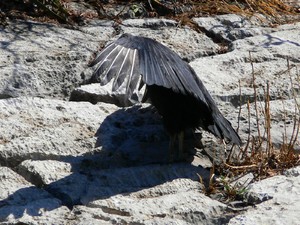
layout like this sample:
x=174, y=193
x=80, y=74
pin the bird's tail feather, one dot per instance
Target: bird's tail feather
x=222, y=128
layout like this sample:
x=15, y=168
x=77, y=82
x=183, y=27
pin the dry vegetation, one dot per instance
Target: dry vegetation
x=258, y=156
x=63, y=11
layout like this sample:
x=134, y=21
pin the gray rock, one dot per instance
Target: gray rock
x=282, y=208
x=188, y=43
x=44, y=172
x=44, y=60
x=95, y=93
x=269, y=55
x=83, y=175
x=21, y=202
x=84, y=181
x=230, y=27
x=35, y=128
x=149, y=23
x=94, y=177
x=149, y=207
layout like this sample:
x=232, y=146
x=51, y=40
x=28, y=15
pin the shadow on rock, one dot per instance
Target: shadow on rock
x=135, y=135
x=29, y=200
x=275, y=41
x=130, y=155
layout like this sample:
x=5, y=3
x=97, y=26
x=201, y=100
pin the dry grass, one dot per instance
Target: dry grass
x=259, y=156
x=58, y=11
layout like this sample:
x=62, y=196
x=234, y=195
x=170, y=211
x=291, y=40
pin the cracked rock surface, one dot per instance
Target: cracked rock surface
x=70, y=154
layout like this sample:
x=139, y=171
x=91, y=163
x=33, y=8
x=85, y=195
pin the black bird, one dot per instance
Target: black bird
x=172, y=86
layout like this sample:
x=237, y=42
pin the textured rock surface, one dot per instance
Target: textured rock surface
x=44, y=60
x=21, y=201
x=35, y=128
x=283, y=206
x=72, y=162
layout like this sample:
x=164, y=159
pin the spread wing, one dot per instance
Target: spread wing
x=133, y=61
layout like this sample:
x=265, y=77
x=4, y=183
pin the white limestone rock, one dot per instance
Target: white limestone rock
x=39, y=59
x=35, y=128
x=21, y=202
x=283, y=207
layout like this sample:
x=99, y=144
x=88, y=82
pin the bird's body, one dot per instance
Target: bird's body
x=172, y=86
x=179, y=112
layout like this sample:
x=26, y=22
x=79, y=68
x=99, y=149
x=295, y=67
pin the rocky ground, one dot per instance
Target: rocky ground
x=67, y=160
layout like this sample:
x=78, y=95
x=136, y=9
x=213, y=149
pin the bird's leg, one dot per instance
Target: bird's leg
x=180, y=145
x=225, y=146
x=171, y=147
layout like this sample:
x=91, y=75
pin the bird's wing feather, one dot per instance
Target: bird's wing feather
x=133, y=61
x=168, y=77
x=161, y=66
x=156, y=63
x=118, y=60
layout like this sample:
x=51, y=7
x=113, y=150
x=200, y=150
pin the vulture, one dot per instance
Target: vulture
x=150, y=71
